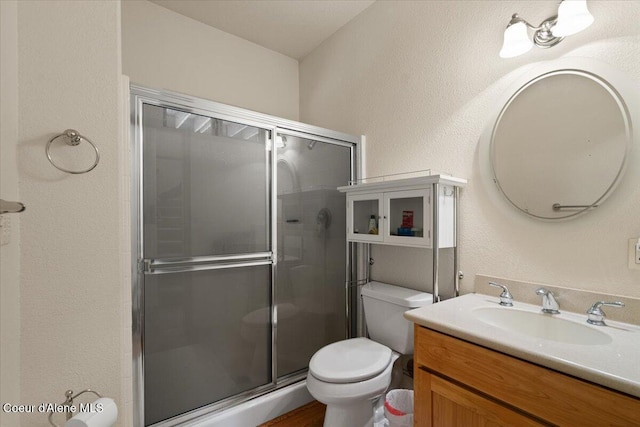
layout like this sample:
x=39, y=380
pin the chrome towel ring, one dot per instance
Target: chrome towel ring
x=73, y=138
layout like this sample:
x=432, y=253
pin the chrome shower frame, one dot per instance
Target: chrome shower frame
x=139, y=96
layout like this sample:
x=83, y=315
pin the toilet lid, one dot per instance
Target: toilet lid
x=348, y=361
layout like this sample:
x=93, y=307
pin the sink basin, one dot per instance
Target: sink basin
x=538, y=325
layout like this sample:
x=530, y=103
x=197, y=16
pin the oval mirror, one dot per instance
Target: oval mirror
x=560, y=144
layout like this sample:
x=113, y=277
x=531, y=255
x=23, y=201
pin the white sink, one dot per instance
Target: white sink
x=539, y=325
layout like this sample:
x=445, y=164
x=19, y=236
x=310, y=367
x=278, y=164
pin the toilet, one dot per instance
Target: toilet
x=350, y=375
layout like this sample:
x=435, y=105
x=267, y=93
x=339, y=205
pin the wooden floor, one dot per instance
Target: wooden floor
x=309, y=415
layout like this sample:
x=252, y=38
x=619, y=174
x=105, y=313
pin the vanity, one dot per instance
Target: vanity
x=478, y=363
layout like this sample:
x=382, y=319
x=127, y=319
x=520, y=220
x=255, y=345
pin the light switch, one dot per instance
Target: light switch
x=634, y=254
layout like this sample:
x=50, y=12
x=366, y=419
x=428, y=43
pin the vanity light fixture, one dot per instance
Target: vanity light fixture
x=573, y=17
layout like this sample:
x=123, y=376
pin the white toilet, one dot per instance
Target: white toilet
x=349, y=376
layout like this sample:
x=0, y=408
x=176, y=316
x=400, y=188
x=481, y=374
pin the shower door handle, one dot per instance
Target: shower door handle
x=180, y=265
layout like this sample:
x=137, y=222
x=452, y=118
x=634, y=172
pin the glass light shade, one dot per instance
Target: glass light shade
x=516, y=41
x=573, y=17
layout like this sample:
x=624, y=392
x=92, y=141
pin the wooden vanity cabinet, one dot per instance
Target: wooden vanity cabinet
x=460, y=384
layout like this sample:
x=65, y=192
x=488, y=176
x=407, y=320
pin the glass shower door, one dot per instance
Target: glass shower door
x=206, y=186
x=206, y=245
x=311, y=269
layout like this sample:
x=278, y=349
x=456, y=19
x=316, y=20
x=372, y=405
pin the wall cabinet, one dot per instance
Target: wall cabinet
x=390, y=211
x=400, y=212
x=459, y=384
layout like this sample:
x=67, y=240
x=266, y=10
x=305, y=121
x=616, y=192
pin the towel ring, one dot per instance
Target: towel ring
x=74, y=138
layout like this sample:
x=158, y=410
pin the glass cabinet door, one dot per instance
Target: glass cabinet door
x=408, y=217
x=365, y=217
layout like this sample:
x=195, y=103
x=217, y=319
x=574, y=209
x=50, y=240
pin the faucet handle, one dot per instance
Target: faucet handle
x=596, y=315
x=506, y=298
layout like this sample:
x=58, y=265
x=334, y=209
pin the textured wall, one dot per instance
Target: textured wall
x=71, y=279
x=162, y=49
x=422, y=80
x=10, y=253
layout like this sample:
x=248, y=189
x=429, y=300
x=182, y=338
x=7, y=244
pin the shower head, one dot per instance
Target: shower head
x=323, y=221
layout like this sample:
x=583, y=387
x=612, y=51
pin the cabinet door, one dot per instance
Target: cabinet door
x=440, y=403
x=407, y=217
x=361, y=209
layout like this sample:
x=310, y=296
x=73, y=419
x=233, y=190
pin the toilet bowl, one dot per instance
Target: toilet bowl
x=350, y=375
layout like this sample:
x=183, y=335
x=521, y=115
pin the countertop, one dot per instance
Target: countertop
x=615, y=365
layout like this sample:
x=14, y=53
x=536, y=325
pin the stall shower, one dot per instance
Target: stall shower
x=240, y=252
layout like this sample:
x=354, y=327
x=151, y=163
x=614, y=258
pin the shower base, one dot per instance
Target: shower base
x=258, y=410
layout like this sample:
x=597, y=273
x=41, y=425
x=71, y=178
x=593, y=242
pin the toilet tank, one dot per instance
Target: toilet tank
x=384, y=306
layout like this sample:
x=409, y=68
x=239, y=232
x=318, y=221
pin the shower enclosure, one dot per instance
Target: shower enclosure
x=240, y=249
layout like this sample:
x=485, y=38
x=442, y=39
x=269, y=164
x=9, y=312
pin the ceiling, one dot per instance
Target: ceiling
x=291, y=27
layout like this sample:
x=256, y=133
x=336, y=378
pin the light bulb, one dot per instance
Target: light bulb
x=573, y=17
x=516, y=40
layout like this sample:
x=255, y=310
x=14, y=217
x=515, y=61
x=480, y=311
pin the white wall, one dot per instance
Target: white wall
x=9, y=253
x=164, y=50
x=421, y=80
x=71, y=274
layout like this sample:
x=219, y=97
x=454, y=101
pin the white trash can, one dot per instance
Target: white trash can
x=398, y=408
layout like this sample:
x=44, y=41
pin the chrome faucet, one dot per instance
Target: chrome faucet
x=596, y=315
x=506, y=298
x=549, y=303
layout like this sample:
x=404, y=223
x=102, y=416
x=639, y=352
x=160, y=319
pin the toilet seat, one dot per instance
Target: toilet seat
x=349, y=361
